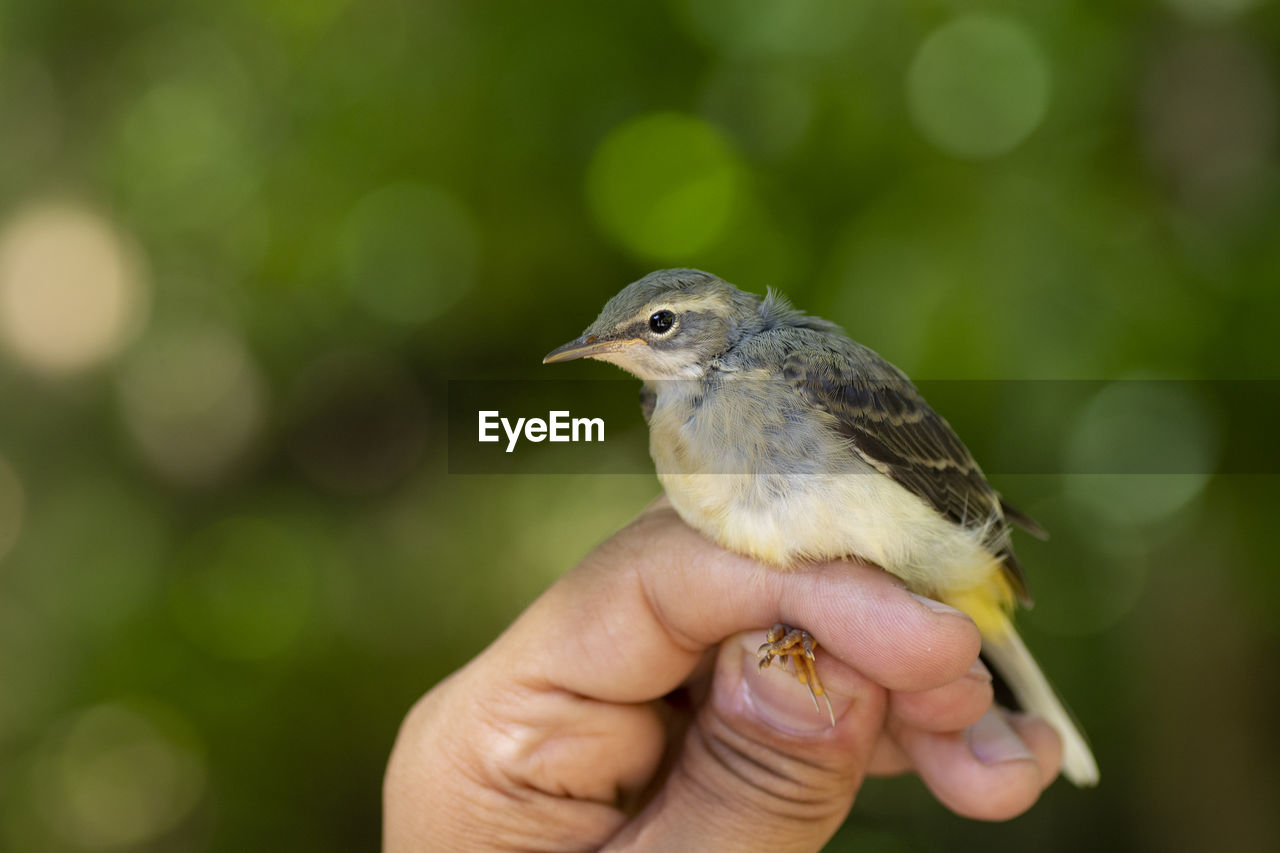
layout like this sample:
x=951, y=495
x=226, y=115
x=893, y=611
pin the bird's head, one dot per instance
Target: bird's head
x=668, y=325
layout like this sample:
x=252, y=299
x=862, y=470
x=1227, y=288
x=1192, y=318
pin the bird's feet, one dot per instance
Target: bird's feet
x=785, y=642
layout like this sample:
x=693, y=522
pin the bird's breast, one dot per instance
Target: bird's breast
x=755, y=469
x=749, y=464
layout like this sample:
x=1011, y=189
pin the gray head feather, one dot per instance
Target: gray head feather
x=708, y=317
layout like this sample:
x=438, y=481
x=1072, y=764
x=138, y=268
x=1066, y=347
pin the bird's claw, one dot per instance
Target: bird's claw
x=783, y=643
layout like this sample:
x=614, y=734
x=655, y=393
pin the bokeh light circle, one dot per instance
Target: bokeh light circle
x=664, y=185
x=1140, y=451
x=978, y=86
x=410, y=252
x=193, y=400
x=187, y=148
x=117, y=777
x=72, y=291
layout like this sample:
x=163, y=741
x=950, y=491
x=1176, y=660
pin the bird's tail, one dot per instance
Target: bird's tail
x=1005, y=649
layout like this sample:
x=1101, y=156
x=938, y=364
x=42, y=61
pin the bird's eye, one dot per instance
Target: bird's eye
x=661, y=322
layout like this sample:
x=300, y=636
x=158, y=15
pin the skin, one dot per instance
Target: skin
x=624, y=710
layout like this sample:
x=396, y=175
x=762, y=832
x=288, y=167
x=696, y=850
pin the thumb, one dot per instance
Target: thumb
x=760, y=768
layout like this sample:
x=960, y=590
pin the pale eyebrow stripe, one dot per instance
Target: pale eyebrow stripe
x=688, y=303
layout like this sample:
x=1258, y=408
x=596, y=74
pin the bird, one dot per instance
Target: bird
x=777, y=436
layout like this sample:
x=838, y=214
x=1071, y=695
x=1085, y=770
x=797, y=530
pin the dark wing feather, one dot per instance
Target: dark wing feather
x=1018, y=518
x=891, y=427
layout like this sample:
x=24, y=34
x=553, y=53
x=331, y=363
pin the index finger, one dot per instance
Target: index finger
x=633, y=619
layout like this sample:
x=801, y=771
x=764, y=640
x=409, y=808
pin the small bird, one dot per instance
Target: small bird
x=778, y=437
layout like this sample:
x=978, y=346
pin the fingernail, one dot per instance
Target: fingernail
x=780, y=700
x=993, y=741
x=979, y=671
x=936, y=606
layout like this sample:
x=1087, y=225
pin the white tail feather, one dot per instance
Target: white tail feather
x=1019, y=669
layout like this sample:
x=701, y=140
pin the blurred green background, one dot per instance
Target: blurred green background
x=245, y=245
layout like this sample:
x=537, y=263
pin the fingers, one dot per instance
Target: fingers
x=993, y=770
x=948, y=708
x=629, y=624
x=888, y=759
x=759, y=768
x=557, y=711
x=1042, y=740
x=980, y=761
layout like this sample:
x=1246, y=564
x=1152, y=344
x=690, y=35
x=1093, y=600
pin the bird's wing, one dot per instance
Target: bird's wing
x=891, y=427
x=1020, y=519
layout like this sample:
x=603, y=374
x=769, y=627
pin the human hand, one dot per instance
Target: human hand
x=624, y=710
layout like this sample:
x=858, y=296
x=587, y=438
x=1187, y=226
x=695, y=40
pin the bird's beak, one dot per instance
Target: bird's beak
x=589, y=346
